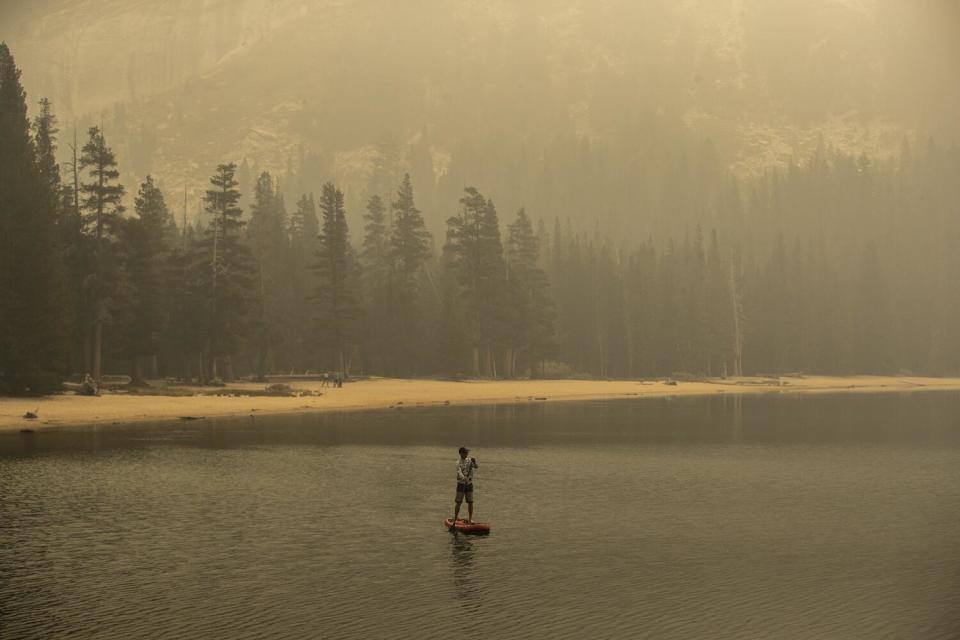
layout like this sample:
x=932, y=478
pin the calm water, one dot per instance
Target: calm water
x=760, y=517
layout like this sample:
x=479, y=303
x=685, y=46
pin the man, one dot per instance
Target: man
x=465, y=469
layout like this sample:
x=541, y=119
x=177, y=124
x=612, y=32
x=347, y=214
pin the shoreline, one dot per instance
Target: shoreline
x=389, y=393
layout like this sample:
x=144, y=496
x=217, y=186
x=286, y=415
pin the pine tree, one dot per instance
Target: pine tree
x=32, y=336
x=103, y=199
x=223, y=266
x=77, y=251
x=871, y=348
x=643, y=309
x=102, y=204
x=45, y=138
x=473, y=242
x=146, y=247
x=410, y=249
x=410, y=239
x=267, y=236
x=304, y=230
x=698, y=309
x=376, y=259
x=532, y=308
x=185, y=275
x=606, y=321
x=463, y=248
x=453, y=344
x=336, y=297
x=376, y=252
x=304, y=226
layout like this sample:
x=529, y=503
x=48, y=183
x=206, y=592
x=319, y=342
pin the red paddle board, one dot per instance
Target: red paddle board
x=463, y=527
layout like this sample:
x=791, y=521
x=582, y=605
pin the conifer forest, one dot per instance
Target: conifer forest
x=643, y=250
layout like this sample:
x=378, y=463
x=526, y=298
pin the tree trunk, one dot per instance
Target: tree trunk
x=476, y=361
x=211, y=371
x=87, y=348
x=136, y=375
x=737, y=336
x=262, y=346
x=97, y=345
x=261, y=363
x=627, y=325
x=601, y=356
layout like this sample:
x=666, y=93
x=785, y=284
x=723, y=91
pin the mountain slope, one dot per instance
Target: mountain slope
x=182, y=85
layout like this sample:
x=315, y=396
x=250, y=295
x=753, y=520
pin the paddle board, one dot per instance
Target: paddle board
x=463, y=527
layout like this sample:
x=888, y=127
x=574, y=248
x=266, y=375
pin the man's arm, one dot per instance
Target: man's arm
x=460, y=477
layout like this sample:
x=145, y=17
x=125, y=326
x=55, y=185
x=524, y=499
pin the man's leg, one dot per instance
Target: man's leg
x=470, y=508
x=456, y=511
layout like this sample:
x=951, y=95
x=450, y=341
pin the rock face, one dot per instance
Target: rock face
x=89, y=56
x=183, y=84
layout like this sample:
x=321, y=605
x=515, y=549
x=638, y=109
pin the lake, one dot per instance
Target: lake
x=824, y=516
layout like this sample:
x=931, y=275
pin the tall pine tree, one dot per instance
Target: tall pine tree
x=103, y=209
x=476, y=256
x=532, y=310
x=380, y=334
x=45, y=137
x=32, y=335
x=267, y=237
x=223, y=266
x=410, y=249
x=185, y=274
x=146, y=248
x=336, y=298
x=304, y=231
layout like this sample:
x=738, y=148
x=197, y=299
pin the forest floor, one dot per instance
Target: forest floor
x=242, y=399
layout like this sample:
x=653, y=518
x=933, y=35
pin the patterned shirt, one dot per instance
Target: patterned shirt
x=464, y=471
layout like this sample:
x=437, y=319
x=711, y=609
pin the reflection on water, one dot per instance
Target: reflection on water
x=736, y=417
x=754, y=517
x=465, y=585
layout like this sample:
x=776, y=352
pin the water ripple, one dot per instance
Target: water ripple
x=607, y=541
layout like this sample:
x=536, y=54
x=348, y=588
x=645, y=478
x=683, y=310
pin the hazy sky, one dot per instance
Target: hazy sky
x=181, y=85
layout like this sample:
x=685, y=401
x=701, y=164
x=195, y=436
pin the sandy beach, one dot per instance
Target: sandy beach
x=384, y=393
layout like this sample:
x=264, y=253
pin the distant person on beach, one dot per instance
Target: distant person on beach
x=465, y=469
x=89, y=386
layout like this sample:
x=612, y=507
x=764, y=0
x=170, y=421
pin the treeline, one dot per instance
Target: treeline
x=842, y=265
x=88, y=286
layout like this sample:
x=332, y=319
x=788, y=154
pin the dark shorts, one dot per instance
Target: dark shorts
x=464, y=490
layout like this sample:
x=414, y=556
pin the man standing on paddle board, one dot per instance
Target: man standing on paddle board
x=465, y=469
